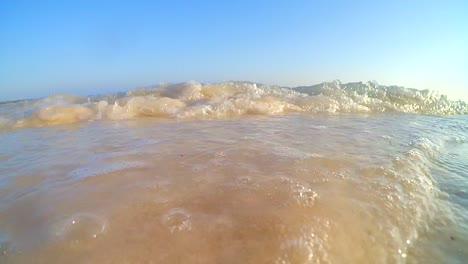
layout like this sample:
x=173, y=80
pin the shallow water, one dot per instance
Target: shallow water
x=289, y=187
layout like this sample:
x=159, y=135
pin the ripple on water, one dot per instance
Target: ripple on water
x=177, y=220
x=310, y=245
x=292, y=153
x=81, y=226
x=301, y=194
x=95, y=169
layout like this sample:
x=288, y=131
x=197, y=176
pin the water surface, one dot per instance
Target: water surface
x=253, y=175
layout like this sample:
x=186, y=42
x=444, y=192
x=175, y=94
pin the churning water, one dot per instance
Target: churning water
x=235, y=173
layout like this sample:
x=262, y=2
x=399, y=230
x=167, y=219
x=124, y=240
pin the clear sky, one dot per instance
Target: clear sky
x=89, y=47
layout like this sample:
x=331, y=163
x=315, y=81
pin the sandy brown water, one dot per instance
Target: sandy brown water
x=235, y=172
x=331, y=188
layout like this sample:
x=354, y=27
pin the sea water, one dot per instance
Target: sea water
x=235, y=173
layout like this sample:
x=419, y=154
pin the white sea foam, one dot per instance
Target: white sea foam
x=193, y=100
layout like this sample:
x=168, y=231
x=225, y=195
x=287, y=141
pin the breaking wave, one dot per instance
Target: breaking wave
x=193, y=100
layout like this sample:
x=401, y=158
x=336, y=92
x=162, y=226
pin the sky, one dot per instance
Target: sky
x=95, y=47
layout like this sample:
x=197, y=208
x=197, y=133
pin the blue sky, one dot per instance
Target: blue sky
x=89, y=47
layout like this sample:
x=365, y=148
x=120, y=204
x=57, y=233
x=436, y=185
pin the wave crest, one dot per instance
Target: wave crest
x=232, y=99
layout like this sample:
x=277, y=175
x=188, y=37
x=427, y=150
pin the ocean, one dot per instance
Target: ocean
x=235, y=172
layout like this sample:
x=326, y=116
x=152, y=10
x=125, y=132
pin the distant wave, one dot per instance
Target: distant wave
x=194, y=100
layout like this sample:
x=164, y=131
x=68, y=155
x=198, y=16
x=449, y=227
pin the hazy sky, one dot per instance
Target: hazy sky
x=89, y=47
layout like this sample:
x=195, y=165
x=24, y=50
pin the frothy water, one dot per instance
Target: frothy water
x=235, y=173
x=194, y=100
